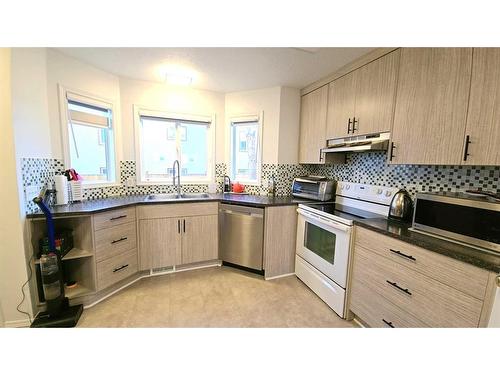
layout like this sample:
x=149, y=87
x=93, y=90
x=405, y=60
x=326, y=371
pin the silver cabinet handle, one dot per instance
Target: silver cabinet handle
x=497, y=280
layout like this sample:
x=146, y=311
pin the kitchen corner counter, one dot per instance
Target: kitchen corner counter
x=480, y=258
x=99, y=205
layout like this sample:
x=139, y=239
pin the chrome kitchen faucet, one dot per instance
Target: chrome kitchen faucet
x=178, y=185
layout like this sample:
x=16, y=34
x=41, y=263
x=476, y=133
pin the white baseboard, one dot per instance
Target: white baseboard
x=279, y=276
x=17, y=323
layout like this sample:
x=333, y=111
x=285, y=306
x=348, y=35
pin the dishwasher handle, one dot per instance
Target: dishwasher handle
x=241, y=213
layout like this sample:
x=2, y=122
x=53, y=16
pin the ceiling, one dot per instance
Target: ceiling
x=222, y=69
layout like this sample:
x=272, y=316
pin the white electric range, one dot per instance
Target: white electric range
x=324, y=238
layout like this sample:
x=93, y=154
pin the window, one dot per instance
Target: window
x=163, y=138
x=245, y=150
x=90, y=142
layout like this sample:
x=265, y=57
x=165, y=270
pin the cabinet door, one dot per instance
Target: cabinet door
x=313, y=126
x=431, y=105
x=160, y=243
x=483, y=119
x=341, y=102
x=376, y=94
x=199, y=238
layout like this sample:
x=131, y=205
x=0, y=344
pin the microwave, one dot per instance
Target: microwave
x=472, y=220
x=318, y=188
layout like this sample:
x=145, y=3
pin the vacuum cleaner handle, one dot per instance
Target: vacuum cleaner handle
x=39, y=201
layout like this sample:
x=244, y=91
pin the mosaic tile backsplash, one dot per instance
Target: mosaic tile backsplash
x=369, y=168
x=372, y=168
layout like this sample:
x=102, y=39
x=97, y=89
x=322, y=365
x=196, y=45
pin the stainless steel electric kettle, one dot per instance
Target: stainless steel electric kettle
x=401, y=207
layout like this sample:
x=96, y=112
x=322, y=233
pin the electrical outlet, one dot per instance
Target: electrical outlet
x=32, y=192
x=130, y=181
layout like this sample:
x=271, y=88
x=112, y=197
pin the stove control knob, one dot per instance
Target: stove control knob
x=347, y=187
x=388, y=193
x=341, y=187
x=379, y=191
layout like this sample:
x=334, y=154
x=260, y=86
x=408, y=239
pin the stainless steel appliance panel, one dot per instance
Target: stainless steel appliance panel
x=475, y=221
x=241, y=235
x=314, y=187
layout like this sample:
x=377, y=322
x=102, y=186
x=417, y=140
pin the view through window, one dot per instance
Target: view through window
x=245, y=146
x=91, y=141
x=165, y=140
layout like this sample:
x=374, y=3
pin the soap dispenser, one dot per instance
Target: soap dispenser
x=227, y=184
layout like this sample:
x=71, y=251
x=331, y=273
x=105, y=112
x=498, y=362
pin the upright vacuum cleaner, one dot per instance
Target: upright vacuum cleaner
x=58, y=313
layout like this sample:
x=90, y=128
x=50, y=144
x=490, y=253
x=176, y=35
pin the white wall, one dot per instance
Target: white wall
x=160, y=96
x=30, y=112
x=77, y=75
x=12, y=260
x=253, y=103
x=288, y=150
x=281, y=106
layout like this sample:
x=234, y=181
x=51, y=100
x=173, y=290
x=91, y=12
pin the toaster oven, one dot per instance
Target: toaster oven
x=317, y=188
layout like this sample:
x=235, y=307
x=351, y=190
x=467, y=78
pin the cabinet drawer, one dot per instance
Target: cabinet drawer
x=459, y=275
x=378, y=312
x=115, y=240
x=116, y=217
x=114, y=269
x=431, y=301
x=157, y=211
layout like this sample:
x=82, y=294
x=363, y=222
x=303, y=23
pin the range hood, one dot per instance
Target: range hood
x=358, y=143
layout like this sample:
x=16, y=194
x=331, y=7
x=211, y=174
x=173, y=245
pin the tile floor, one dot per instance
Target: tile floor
x=213, y=297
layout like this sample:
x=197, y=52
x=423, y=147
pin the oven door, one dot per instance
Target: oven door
x=324, y=244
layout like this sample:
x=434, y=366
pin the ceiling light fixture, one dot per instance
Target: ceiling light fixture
x=175, y=74
x=178, y=79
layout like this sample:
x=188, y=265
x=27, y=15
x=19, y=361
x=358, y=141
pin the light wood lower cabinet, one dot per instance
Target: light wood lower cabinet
x=173, y=240
x=115, y=269
x=390, y=289
x=160, y=243
x=199, y=239
x=280, y=226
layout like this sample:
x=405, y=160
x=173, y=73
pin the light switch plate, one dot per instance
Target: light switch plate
x=130, y=181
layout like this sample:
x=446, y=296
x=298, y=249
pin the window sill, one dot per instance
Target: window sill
x=93, y=185
x=246, y=183
x=164, y=183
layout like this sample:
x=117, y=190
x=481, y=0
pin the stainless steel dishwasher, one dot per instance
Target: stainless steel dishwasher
x=241, y=236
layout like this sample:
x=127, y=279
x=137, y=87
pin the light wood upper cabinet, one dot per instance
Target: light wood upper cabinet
x=431, y=105
x=362, y=102
x=199, y=239
x=341, y=104
x=375, y=95
x=313, y=126
x=483, y=119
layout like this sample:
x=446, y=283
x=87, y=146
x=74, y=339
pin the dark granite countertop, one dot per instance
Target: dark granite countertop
x=481, y=258
x=105, y=204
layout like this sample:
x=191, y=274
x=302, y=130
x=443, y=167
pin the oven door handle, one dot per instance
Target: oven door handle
x=331, y=224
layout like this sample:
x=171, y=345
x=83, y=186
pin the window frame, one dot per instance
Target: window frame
x=235, y=119
x=97, y=101
x=210, y=119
